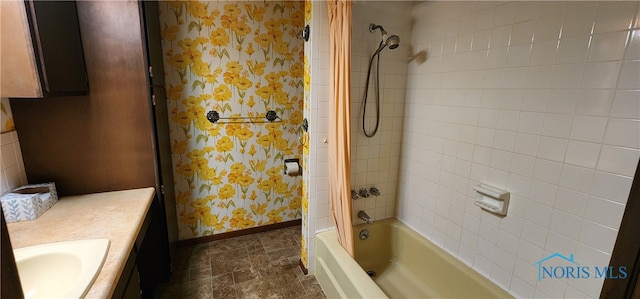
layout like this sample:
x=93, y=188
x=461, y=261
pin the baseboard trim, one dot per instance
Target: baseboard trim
x=233, y=234
x=303, y=268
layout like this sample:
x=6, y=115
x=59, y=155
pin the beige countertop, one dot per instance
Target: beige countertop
x=116, y=216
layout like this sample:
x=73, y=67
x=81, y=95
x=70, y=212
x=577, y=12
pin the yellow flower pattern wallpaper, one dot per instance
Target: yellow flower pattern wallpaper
x=6, y=117
x=241, y=59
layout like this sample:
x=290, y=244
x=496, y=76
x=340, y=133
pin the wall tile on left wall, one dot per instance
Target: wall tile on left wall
x=12, y=172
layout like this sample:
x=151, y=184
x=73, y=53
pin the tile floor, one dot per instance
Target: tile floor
x=263, y=265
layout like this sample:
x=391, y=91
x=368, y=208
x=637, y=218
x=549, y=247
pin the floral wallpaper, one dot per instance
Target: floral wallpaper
x=6, y=117
x=241, y=59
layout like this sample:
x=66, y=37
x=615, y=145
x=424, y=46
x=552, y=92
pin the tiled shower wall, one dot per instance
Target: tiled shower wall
x=541, y=99
x=365, y=153
x=12, y=173
x=375, y=160
x=12, y=170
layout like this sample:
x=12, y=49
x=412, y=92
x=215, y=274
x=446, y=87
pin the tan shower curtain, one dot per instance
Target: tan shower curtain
x=340, y=122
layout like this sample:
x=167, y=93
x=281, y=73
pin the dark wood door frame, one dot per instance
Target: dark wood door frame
x=627, y=249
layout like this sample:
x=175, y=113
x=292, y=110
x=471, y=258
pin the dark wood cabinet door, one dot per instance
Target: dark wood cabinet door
x=58, y=47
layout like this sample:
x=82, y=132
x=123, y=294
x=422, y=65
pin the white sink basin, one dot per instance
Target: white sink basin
x=60, y=270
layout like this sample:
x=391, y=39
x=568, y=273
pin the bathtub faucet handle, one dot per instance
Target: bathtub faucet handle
x=374, y=191
x=363, y=192
x=354, y=194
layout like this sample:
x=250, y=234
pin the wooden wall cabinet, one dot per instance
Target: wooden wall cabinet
x=42, y=54
x=18, y=71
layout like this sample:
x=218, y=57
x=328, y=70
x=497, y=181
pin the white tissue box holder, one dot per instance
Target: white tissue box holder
x=492, y=199
x=28, y=202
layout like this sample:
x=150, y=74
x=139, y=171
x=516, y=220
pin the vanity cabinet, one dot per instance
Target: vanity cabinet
x=42, y=54
x=129, y=286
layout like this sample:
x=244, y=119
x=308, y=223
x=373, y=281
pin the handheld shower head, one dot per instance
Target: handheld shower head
x=393, y=42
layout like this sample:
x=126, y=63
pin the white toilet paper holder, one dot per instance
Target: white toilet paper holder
x=295, y=160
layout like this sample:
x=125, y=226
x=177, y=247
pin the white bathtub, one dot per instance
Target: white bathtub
x=405, y=264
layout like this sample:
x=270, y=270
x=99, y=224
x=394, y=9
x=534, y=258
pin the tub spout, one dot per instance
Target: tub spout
x=362, y=215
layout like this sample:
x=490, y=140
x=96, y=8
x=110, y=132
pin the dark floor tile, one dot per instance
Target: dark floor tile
x=311, y=285
x=245, y=274
x=222, y=281
x=228, y=292
x=277, y=239
x=318, y=295
x=258, y=288
x=284, y=253
x=199, y=260
x=199, y=272
x=263, y=265
x=197, y=289
x=293, y=290
x=225, y=245
x=224, y=263
x=258, y=258
x=252, y=242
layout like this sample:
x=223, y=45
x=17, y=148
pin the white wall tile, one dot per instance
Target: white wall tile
x=610, y=186
x=626, y=104
x=525, y=11
x=567, y=75
x=552, y=148
x=547, y=171
x=588, y=128
x=623, y=132
x=608, y=46
x=597, y=236
x=630, y=75
x=12, y=172
x=594, y=102
x=522, y=33
x=618, y=160
x=576, y=178
x=604, y=212
x=633, y=48
x=544, y=53
x=571, y=201
x=578, y=23
x=573, y=50
x=566, y=224
x=500, y=37
x=615, y=17
x=526, y=144
x=557, y=125
x=521, y=289
x=582, y=153
x=554, y=119
x=548, y=28
x=601, y=74
x=518, y=55
x=530, y=122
